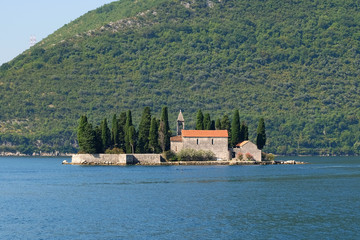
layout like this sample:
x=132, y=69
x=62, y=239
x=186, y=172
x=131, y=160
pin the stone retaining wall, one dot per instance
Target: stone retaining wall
x=116, y=159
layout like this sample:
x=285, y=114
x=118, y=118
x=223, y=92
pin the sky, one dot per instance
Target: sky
x=21, y=19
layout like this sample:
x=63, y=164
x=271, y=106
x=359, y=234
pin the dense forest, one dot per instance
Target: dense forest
x=295, y=63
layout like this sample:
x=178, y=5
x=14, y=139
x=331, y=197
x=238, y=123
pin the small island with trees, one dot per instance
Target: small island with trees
x=218, y=142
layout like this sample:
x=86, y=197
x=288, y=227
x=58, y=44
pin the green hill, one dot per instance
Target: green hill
x=295, y=63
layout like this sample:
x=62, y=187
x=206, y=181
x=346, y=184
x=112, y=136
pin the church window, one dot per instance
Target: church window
x=197, y=141
x=212, y=141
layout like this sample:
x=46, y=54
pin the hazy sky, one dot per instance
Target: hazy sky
x=20, y=19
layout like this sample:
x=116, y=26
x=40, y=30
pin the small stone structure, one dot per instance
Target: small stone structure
x=247, y=147
x=117, y=159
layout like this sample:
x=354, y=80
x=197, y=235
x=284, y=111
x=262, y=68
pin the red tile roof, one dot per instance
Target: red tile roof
x=176, y=139
x=241, y=144
x=205, y=133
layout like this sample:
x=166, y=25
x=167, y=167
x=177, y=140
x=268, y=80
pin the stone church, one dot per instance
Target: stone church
x=213, y=140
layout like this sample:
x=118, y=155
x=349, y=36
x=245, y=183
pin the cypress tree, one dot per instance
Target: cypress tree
x=218, y=124
x=242, y=131
x=261, y=135
x=235, y=128
x=132, y=138
x=212, y=127
x=199, y=120
x=128, y=124
x=164, y=130
x=154, y=136
x=207, y=121
x=144, y=129
x=105, y=135
x=246, y=133
x=121, y=125
x=115, y=131
x=225, y=124
x=98, y=140
x=81, y=131
x=89, y=143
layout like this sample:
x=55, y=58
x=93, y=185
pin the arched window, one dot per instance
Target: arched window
x=197, y=141
x=212, y=141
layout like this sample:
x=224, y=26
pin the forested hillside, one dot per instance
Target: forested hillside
x=295, y=63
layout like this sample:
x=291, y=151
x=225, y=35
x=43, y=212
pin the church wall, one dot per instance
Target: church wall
x=219, y=146
x=176, y=146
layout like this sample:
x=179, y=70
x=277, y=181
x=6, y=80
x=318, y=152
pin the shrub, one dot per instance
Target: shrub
x=249, y=157
x=114, y=151
x=240, y=156
x=267, y=156
x=196, y=155
x=170, y=156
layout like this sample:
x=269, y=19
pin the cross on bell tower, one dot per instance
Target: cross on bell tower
x=180, y=123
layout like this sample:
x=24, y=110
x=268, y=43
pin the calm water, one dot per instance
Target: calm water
x=42, y=199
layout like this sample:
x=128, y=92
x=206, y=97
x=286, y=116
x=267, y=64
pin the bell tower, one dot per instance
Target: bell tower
x=180, y=123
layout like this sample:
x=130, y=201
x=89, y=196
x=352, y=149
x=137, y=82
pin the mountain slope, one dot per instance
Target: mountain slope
x=294, y=63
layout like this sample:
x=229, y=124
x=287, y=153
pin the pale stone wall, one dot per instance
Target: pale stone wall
x=116, y=159
x=176, y=146
x=219, y=146
x=249, y=148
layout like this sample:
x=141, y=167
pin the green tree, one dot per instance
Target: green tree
x=261, y=135
x=122, y=123
x=105, y=135
x=243, y=131
x=164, y=130
x=98, y=140
x=144, y=129
x=225, y=124
x=89, y=143
x=128, y=124
x=154, y=136
x=218, y=124
x=132, y=138
x=212, y=127
x=199, y=120
x=115, y=131
x=207, y=122
x=246, y=133
x=235, y=128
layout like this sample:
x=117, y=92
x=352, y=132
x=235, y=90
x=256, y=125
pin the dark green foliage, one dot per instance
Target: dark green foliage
x=154, y=136
x=244, y=134
x=212, y=127
x=246, y=130
x=128, y=124
x=225, y=124
x=296, y=63
x=261, y=135
x=115, y=131
x=98, y=140
x=164, y=130
x=132, y=138
x=199, y=120
x=89, y=143
x=144, y=129
x=235, y=129
x=218, y=124
x=207, y=121
x=121, y=125
x=105, y=135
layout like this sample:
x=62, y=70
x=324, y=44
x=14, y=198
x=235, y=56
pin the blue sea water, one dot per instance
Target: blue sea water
x=42, y=199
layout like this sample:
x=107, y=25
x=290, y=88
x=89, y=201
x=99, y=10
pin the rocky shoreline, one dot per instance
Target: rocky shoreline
x=193, y=163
